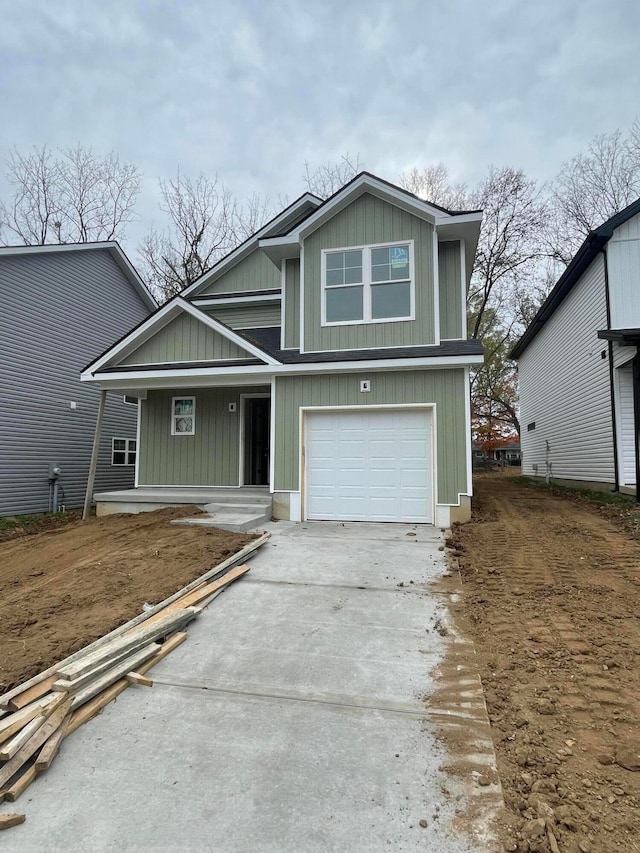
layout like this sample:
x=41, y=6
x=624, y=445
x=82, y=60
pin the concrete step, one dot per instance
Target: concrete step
x=213, y=508
x=240, y=522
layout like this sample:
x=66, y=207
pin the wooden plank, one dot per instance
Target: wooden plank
x=12, y=746
x=8, y=820
x=233, y=560
x=119, y=671
x=136, y=678
x=51, y=747
x=95, y=705
x=27, y=696
x=21, y=785
x=79, y=684
x=206, y=590
x=133, y=640
x=34, y=743
x=14, y=722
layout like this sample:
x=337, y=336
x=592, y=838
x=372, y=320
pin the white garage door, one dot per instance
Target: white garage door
x=369, y=465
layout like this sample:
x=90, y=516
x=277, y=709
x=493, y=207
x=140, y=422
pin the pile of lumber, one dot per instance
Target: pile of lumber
x=37, y=716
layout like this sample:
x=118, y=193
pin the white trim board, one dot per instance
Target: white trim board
x=130, y=379
x=162, y=318
x=234, y=301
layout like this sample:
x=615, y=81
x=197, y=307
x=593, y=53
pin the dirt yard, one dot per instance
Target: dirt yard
x=63, y=588
x=552, y=599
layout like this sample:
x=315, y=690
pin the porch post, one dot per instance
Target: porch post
x=94, y=456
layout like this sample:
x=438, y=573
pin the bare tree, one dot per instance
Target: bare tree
x=328, y=178
x=205, y=223
x=590, y=188
x=432, y=183
x=74, y=197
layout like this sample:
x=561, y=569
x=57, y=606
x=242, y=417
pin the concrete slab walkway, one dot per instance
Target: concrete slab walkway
x=299, y=716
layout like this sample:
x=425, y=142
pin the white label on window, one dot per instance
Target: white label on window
x=399, y=256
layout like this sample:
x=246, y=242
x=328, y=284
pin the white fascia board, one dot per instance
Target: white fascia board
x=139, y=335
x=160, y=319
x=249, y=245
x=145, y=378
x=279, y=249
x=365, y=183
x=226, y=332
x=202, y=301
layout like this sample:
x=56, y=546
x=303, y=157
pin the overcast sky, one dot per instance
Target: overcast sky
x=254, y=88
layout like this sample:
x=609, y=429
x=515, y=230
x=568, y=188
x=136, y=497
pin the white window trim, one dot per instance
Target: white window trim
x=129, y=400
x=367, y=284
x=127, y=450
x=174, y=416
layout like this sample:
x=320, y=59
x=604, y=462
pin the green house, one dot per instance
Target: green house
x=323, y=364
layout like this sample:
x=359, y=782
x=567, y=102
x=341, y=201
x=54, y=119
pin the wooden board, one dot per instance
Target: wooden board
x=136, y=678
x=34, y=743
x=9, y=749
x=131, y=641
x=14, y=722
x=95, y=705
x=119, y=671
x=51, y=747
x=20, y=786
x=27, y=696
x=88, y=678
x=216, y=571
x=206, y=590
x=8, y=820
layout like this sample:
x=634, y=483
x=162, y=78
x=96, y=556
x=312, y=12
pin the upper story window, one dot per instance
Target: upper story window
x=183, y=416
x=368, y=284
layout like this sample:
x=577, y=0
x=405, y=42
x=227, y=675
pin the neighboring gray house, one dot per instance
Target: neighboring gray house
x=61, y=305
x=324, y=363
x=579, y=367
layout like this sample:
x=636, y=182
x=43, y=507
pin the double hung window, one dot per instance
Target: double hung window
x=183, y=416
x=369, y=284
x=123, y=451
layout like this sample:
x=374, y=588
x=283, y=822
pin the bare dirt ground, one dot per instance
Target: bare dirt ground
x=552, y=600
x=65, y=587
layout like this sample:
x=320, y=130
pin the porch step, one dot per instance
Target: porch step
x=228, y=519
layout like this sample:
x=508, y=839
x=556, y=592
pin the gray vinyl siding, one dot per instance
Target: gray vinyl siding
x=446, y=388
x=255, y=315
x=626, y=426
x=208, y=458
x=623, y=257
x=59, y=311
x=564, y=388
x=369, y=220
x=185, y=339
x=450, y=290
x=291, y=298
x=255, y=272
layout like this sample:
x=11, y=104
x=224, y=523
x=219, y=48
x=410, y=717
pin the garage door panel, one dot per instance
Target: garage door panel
x=369, y=465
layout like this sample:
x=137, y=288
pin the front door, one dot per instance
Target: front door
x=256, y=441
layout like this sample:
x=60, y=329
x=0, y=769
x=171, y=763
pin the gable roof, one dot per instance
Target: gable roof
x=584, y=257
x=287, y=218
x=111, y=246
x=162, y=317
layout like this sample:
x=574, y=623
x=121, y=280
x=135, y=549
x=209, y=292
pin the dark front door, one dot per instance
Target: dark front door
x=256, y=441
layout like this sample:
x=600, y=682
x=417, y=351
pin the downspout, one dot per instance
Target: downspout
x=616, y=487
x=636, y=418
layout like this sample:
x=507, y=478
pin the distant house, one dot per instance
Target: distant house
x=323, y=365
x=61, y=306
x=506, y=453
x=579, y=365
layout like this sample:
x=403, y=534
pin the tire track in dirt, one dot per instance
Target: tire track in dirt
x=552, y=600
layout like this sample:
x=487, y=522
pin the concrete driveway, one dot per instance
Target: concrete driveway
x=300, y=715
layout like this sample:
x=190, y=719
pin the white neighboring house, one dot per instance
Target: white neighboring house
x=579, y=366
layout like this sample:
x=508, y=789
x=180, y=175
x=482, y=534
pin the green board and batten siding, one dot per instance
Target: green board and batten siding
x=292, y=304
x=208, y=458
x=450, y=290
x=185, y=339
x=255, y=272
x=255, y=315
x=365, y=221
x=446, y=388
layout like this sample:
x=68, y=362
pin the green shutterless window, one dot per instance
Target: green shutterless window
x=344, y=287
